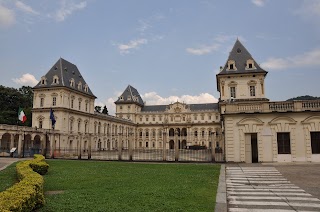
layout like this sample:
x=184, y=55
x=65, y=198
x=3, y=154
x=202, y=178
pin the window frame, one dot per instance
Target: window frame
x=283, y=143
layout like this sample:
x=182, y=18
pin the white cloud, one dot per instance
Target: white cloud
x=203, y=50
x=7, y=16
x=152, y=98
x=67, y=8
x=258, y=3
x=310, y=8
x=311, y=58
x=133, y=44
x=26, y=79
x=26, y=8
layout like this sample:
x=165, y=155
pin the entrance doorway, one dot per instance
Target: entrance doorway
x=251, y=149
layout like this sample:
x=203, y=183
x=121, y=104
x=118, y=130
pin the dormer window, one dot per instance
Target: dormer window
x=121, y=97
x=250, y=64
x=129, y=98
x=43, y=80
x=72, y=82
x=232, y=65
x=55, y=79
x=86, y=88
x=80, y=86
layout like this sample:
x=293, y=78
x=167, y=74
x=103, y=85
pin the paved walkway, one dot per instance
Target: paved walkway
x=264, y=188
x=4, y=161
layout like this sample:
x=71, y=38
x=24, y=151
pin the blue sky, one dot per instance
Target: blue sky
x=168, y=50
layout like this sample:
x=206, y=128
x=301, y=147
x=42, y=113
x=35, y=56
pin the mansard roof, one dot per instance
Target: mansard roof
x=240, y=55
x=65, y=72
x=130, y=95
x=193, y=107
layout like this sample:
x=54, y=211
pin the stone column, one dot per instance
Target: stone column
x=176, y=146
x=89, y=146
x=20, y=145
x=79, y=146
x=11, y=140
x=212, y=146
x=130, y=144
x=164, y=142
x=120, y=147
x=52, y=141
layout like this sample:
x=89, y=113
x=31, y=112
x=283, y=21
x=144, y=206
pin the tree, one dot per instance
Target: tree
x=306, y=97
x=105, y=110
x=97, y=109
x=10, y=101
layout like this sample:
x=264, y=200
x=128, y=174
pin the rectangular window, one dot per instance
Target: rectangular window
x=79, y=105
x=231, y=66
x=202, y=117
x=209, y=117
x=252, y=90
x=160, y=118
x=233, y=92
x=147, y=144
x=195, y=117
x=140, y=119
x=315, y=142
x=147, y=119
x=283, y=143
x=72, y=103
x=183, y=118
x=40, y=124
x=41, y=102
x=250, y=65
x=153, y=119
x=86, y=106
x=202, y=133
x=54, y=101
x=78, y=126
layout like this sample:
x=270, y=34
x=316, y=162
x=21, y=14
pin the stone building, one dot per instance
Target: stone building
x=244, y=126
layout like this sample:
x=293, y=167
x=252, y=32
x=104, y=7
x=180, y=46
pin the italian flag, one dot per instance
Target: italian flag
x=21, y=116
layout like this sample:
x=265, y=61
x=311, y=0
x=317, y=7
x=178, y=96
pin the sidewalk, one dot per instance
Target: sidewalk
x=4, y=162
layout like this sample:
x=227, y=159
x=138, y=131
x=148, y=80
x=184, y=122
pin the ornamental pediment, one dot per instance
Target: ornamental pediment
x=178, y=107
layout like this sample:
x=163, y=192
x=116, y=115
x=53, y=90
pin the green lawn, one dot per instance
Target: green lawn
x=120, y=186
x=8, y=177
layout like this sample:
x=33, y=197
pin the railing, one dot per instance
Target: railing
x=267, y=107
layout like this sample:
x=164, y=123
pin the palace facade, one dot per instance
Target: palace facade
x=244, y=126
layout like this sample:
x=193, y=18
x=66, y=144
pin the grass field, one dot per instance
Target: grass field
x=116, y=186
x=8, y=177
x=119, y=186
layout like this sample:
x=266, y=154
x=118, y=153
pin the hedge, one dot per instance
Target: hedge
x=27, y=194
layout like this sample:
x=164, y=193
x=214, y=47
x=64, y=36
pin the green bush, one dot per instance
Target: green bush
x=26, y=195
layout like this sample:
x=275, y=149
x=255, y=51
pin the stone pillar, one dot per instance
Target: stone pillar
x=79, y=146
x=176, y=146
x=20, y=145
x=120, y=147
x=164, y=142
x=130, y=144
x=89, y=146
x=52, y=141
x=211, y=137
x=11, y=140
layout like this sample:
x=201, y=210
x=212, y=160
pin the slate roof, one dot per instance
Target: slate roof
x=130, y=95
x=240, y=55
x=193, y=107
x=65, y=72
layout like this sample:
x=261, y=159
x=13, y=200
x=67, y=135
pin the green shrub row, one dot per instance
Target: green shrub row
x=26, y=195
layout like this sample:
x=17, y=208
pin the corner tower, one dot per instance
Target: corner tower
x=241, y=78
x=64, y=90
x=129, y=103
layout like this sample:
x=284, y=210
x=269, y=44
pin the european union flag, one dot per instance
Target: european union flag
x=53, y=120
